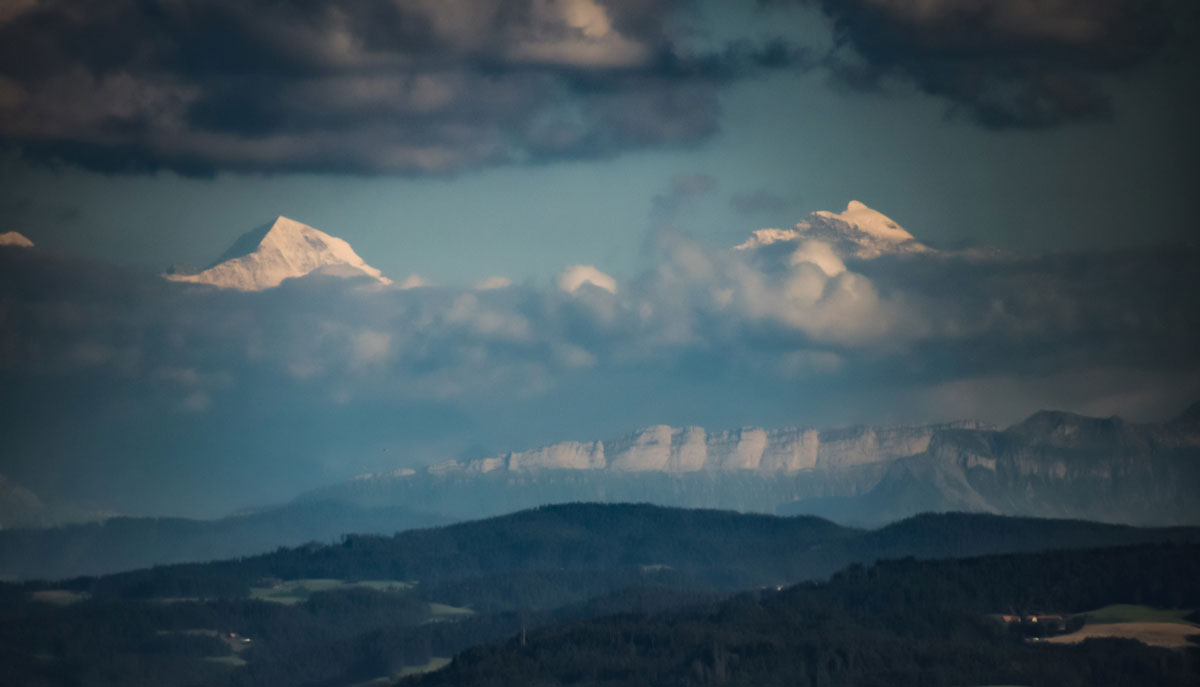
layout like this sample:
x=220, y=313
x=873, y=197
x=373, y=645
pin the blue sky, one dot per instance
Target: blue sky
x=1043, y=155
x=798, y=136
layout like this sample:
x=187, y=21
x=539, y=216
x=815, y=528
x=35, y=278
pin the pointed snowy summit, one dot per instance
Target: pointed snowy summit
x=263, y=258
x=15, y=239
x=859, y=232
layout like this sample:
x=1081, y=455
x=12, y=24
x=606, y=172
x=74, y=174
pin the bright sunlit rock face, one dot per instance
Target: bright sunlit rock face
x=858, y=232
x=871, y=222
x=12, y=238
x=662, y=448
x=288, y=249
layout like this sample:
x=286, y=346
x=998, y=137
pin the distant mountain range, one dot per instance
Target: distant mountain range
x=752, y=470
x=678, y=450
x=1054, y=464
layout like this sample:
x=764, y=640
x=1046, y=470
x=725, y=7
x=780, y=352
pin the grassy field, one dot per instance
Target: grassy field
x=235, y=661
x=295, y=591
x=384, y=585
x=1163, y=627
x=435, y=663
x=444, y=612
x=1128, y=613
x=1172, y=635
x=59, y=597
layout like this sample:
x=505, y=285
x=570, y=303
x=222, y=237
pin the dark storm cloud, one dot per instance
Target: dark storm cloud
x=438, y=86
x=368, y=86
x=1004, y=63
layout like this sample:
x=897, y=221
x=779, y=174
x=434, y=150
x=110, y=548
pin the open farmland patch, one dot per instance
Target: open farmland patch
x=296, y=591
x=1168, y=635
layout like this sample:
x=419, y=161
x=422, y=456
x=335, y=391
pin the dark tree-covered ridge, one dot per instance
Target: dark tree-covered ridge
x=344, y=623
x=905, y=622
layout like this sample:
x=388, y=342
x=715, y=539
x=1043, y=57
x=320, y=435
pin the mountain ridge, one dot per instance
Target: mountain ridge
x=858, y=232
x=663, y=448
x=265, y=256
x=1053, y=464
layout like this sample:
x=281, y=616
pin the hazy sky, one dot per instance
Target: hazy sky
x=461, y=140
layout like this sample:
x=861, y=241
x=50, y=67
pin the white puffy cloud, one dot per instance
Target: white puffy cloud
x=820, y=254
x=765, y=237
x=574, y=276
x=414, y=281
x=370, y=348
x=778, y=279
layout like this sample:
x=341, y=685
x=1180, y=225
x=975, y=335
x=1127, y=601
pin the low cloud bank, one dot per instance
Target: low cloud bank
x=111, y=382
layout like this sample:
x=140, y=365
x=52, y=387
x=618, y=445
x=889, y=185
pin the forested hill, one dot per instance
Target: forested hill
x=896, y=623
x=715, y=549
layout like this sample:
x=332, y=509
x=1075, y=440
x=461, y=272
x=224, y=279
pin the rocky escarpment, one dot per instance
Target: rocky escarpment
x=1054, y=464
x=675, y=450
x=746, y=469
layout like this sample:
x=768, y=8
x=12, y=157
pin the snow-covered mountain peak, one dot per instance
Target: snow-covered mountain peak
x=15, y=239
x=858, y=232
x=871, y=222
x=263, y=258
